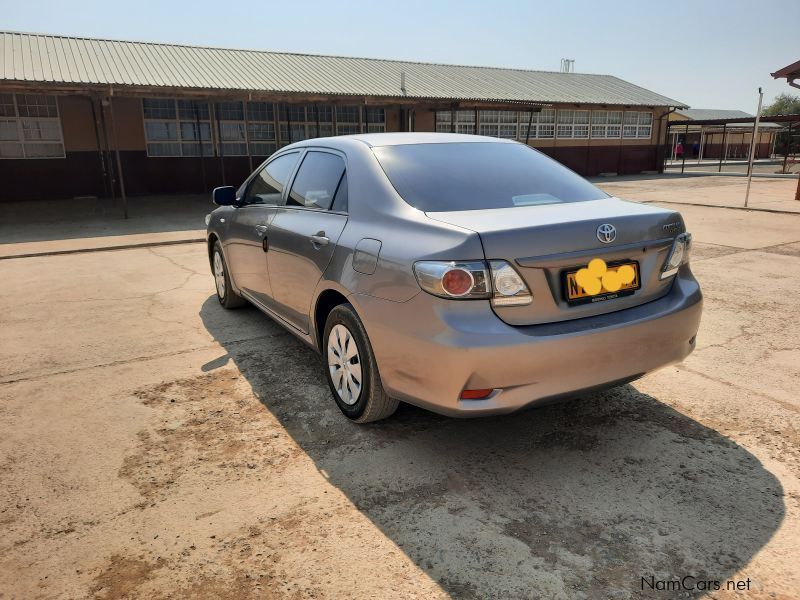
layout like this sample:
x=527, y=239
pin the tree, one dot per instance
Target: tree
x=784, y=104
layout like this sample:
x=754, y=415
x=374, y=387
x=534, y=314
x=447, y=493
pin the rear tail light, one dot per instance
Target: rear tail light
x=450, y=279
x=496, y=280
x=678, y=255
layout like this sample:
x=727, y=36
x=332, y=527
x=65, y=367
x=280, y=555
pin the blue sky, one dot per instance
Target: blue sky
x=707, y=54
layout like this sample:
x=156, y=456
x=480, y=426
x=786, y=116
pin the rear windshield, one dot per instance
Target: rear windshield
x=477, y=175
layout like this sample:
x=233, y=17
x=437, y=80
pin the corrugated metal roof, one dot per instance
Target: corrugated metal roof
x=27, y=57
x=701, y=114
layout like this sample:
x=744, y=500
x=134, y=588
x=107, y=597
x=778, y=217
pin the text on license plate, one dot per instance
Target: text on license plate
x=577, y=295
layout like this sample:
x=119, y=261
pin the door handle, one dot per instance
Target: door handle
x=319, y=240
x=261, y=229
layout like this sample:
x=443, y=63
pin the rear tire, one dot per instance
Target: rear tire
x=222, y=280
x=351, y=369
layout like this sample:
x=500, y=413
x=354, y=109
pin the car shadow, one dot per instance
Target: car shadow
x=586, y=498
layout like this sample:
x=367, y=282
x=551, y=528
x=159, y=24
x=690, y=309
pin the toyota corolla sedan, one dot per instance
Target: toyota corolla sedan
x=463, y=274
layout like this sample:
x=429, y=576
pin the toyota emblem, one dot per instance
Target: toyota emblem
x=606, y=233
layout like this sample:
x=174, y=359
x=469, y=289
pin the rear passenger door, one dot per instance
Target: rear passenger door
x=304, y=233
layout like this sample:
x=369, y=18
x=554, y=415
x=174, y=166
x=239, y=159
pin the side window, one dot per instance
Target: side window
x=267, y=186
x=340, y=199
x=316, y=181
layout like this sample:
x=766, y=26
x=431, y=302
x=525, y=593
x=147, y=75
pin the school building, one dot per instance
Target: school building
x=84, y=117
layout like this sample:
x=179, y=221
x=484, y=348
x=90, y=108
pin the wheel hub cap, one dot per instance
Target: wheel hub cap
x=344, y=364
x=219, y=275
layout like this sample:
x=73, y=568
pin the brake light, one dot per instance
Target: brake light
x=452, y=279
x=458, y=282
x=496, y=280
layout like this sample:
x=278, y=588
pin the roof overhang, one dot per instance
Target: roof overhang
x=790, y=73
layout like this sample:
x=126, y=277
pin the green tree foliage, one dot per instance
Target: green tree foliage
x=784, y=104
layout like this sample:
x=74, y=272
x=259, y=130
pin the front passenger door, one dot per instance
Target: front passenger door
x=248, y=230
x=304, y=233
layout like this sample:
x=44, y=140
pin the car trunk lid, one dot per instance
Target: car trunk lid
x=545, y=242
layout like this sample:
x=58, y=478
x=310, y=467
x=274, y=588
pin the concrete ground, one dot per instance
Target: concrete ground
x=42, y=227
x=154, y=445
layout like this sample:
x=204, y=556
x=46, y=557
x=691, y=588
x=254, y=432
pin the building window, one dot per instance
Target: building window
x=606, y=124
x=572, y=124
x=464, y=121
x=301, y=122
x=347, y=121
x=542, y=124
x=177, y=128
x=231, y=128
x=499, y=123
x=261, y=128
x=375, y=120
x=637, y=125
x=443, y=121
x=184, y=127
x=508, y=124
x=30, y=127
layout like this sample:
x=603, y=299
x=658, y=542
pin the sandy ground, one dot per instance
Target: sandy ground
x=769, y=194
x=153, y=445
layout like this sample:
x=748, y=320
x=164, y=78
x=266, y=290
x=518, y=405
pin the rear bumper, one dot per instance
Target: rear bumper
x=430, y=349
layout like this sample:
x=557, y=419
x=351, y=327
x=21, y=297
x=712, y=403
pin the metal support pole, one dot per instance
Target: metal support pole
x=112, y=179
x=722, y=146
x=96, y=122
x=219, y=142
x=247, y=134
x=119, y=160
x=685, y=138
x=753, y=143
x=528, y=133
x=200, y=142
x=788, y=145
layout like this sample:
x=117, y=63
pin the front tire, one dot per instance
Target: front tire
x=222, y=280
x=352, y=371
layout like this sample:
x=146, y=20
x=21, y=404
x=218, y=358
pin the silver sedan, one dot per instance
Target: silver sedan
x=464, y=274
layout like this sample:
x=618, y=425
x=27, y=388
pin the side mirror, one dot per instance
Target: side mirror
x=224, y=196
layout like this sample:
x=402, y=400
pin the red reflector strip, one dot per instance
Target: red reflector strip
x=476, y=394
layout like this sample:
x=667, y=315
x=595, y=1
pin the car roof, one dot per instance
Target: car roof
x=374, y=140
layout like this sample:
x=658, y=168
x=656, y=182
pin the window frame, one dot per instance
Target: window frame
x=293, y=176
x=605, y=125
x=640, y=124
x=572, y=124
x=18, y=121
x=245, y=188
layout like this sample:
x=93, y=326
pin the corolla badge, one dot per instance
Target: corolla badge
x=606, y=233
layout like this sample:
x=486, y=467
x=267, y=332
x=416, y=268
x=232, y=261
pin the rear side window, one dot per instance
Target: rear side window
x=477, y=175
x=340, y=200
x=317, y=180
x=267, y=186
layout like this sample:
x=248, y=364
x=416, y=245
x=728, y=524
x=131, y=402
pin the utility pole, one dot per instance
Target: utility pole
x=753, y=143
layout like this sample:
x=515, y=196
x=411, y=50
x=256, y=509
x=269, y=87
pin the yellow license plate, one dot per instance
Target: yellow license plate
x=575, y=294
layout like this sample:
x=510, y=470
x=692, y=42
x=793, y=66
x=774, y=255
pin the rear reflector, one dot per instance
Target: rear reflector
x=476, y=394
